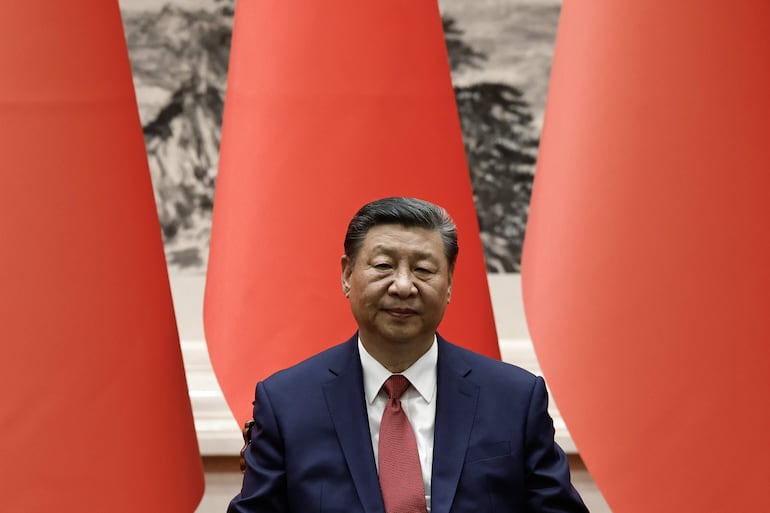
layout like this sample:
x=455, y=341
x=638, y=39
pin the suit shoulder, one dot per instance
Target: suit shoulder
x=489, y=369
x=317, y=365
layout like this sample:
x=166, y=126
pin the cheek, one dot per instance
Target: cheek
x=373, y=294
x=373, y=286
x=366, y=294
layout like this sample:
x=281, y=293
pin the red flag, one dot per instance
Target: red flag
x=329, y=105
x=646, y=269
x=95, y=413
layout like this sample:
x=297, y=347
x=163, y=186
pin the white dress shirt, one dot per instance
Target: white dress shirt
x=418, y=402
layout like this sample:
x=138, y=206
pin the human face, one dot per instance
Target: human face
x=398, y=285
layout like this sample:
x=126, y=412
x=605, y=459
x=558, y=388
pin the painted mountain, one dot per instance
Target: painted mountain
x=500, y=54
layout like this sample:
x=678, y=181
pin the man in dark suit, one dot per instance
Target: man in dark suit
x=397, y=419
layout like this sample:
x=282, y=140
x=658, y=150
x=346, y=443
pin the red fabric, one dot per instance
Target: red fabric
x=398, y=458
x=329, y=105
x=645, y=267
x=94, y=409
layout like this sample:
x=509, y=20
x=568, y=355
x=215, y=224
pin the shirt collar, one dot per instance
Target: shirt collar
x=421, y=374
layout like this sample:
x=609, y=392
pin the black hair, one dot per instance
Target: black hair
x=407, y=212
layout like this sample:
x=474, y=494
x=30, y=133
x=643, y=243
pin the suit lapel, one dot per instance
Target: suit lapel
x=347, y=407
x=455, y=412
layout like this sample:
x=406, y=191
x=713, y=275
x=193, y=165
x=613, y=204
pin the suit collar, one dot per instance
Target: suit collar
x=455, y=412
x=347, y=407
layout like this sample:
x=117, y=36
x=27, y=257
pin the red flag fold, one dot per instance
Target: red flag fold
x=329, y=106
x=95, y=413
x=645, y=267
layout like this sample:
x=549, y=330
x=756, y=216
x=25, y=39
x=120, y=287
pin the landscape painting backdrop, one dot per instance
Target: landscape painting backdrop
x=500, y=53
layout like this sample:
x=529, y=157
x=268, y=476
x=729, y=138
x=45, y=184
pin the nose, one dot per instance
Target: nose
x=402, y=284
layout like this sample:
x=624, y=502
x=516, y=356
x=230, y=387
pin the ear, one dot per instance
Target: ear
x=347, y=269
x=449, y=290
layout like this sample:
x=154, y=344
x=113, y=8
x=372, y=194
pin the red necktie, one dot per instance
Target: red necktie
x=399, y=461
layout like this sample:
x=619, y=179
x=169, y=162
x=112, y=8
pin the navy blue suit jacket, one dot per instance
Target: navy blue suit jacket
x=493, y=450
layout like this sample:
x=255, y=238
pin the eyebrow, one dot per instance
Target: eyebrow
x=388, y=251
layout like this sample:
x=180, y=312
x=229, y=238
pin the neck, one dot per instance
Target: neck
x=396, y=356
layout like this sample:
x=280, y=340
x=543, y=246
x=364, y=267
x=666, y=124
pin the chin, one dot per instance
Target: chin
x=404, y=337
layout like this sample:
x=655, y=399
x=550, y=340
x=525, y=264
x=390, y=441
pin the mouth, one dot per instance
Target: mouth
x=400, y=313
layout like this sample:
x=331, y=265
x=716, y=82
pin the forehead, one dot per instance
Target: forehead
x=399, y=238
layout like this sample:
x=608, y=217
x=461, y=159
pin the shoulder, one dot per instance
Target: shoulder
x=504, y=390
x=319, y=367
x=483, y=369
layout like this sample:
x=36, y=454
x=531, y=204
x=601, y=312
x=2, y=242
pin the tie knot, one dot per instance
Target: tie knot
x=395, y=386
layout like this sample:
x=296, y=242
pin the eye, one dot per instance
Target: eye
x=382, y=266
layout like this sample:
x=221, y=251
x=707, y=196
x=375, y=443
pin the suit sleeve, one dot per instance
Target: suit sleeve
x=549, y=489
x=264, y=481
